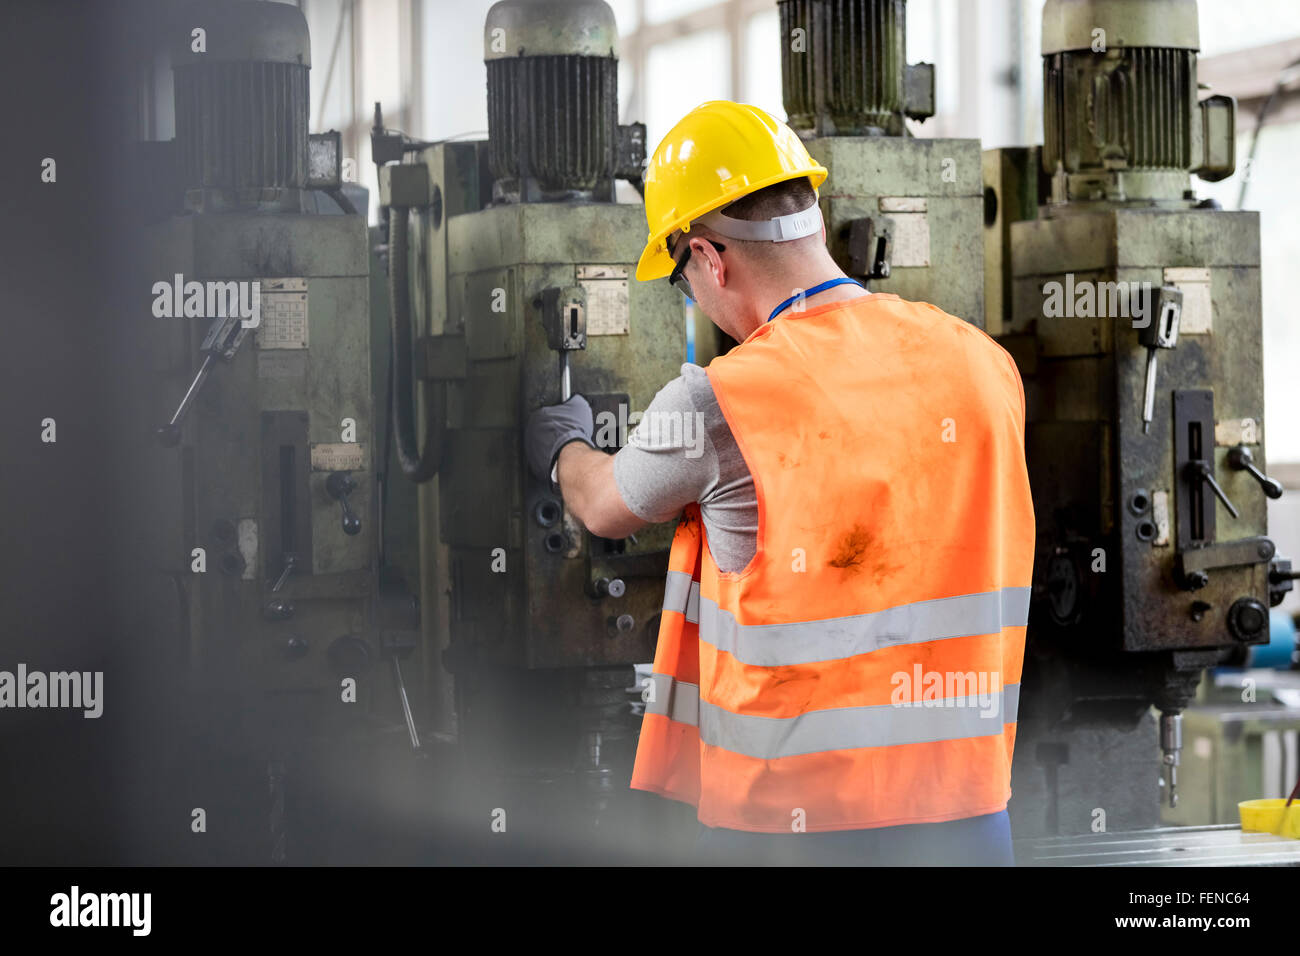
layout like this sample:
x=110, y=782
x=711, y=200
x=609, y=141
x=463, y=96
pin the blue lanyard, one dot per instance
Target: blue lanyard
x=843, y=280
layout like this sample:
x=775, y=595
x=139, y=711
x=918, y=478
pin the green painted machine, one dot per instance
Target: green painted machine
x=1133, y=311
x=512, y=285
x=263, y=496
x=903, y=214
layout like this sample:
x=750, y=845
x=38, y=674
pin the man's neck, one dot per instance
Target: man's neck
x=773, y=294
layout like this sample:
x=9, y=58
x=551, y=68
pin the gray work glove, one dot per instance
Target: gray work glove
x=552, y=427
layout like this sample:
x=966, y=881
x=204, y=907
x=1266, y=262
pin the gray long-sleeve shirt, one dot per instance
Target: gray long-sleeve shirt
x=682, y=451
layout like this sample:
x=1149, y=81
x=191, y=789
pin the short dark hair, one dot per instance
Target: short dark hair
x=779, y=199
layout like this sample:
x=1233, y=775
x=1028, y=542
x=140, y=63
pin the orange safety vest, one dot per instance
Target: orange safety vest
x=864, y=669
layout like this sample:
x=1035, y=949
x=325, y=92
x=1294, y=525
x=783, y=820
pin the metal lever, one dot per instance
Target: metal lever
x=278, y=608
x=406, y=706
x=1241, y=459
x=870, y=245
x=1200, y=471
x=1159, y=334
x=564, y=316
x=340, y=484
x=225, y=336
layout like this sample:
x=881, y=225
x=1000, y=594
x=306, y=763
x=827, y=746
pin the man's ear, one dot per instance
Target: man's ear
x=704, y=249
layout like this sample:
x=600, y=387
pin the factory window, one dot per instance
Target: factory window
x=683, y=73
x=762, y=62
x=1224, y=29
x=657, y=11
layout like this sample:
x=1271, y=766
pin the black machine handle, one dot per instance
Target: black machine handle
x=1200, y=471
x=1241, y=459
x=340, y=484
x=225, y=336
x=280, y=608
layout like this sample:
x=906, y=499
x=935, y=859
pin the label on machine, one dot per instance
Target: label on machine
x=911, y=230
x=1160, y=514
x=284, y=314
x=607, y=307
x=1198, y=313
x=338, y=456
x=1236, y=431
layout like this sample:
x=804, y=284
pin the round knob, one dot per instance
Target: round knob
x=1195, y=580
x=278, y=609
x=609, y=587
x=1248, y=619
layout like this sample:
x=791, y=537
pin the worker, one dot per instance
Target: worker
x=840, y=648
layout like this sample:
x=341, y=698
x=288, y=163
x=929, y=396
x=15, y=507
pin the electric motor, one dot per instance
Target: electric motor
x=1121, y=119
x=844, y=68
x=552, y=91
x=242, y=99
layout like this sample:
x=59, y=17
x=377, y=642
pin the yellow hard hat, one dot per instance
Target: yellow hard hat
x=717, y=153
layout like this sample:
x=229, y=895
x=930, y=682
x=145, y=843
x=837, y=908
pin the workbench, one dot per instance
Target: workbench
x=1217, y=845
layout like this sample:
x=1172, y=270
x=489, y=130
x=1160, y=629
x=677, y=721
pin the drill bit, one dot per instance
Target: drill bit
x=1171, y=745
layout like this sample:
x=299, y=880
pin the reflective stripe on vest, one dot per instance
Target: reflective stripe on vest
x=682, y=594
x=844, y=728
x=674, y=699
x=806, y=642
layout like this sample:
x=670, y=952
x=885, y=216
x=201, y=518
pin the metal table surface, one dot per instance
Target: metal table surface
x=1221, y=845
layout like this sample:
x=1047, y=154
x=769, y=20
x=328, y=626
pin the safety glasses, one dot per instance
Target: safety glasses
x=677, y=277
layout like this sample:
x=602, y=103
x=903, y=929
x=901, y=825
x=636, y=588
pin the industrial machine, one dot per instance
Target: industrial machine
x=1133, y=312
x=902, y=214
x=262, y=498
x=505, y=271
x=511, y=283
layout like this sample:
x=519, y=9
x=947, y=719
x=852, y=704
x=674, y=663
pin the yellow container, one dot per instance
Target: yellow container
x=1269, y=816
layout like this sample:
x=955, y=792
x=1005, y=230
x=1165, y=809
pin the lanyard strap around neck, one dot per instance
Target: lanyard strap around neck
x=832, y=283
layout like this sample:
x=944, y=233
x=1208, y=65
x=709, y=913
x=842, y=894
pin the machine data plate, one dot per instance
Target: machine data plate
x=1236, y=431
x=284, y=314
x=607, y=308
x=338, y=456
